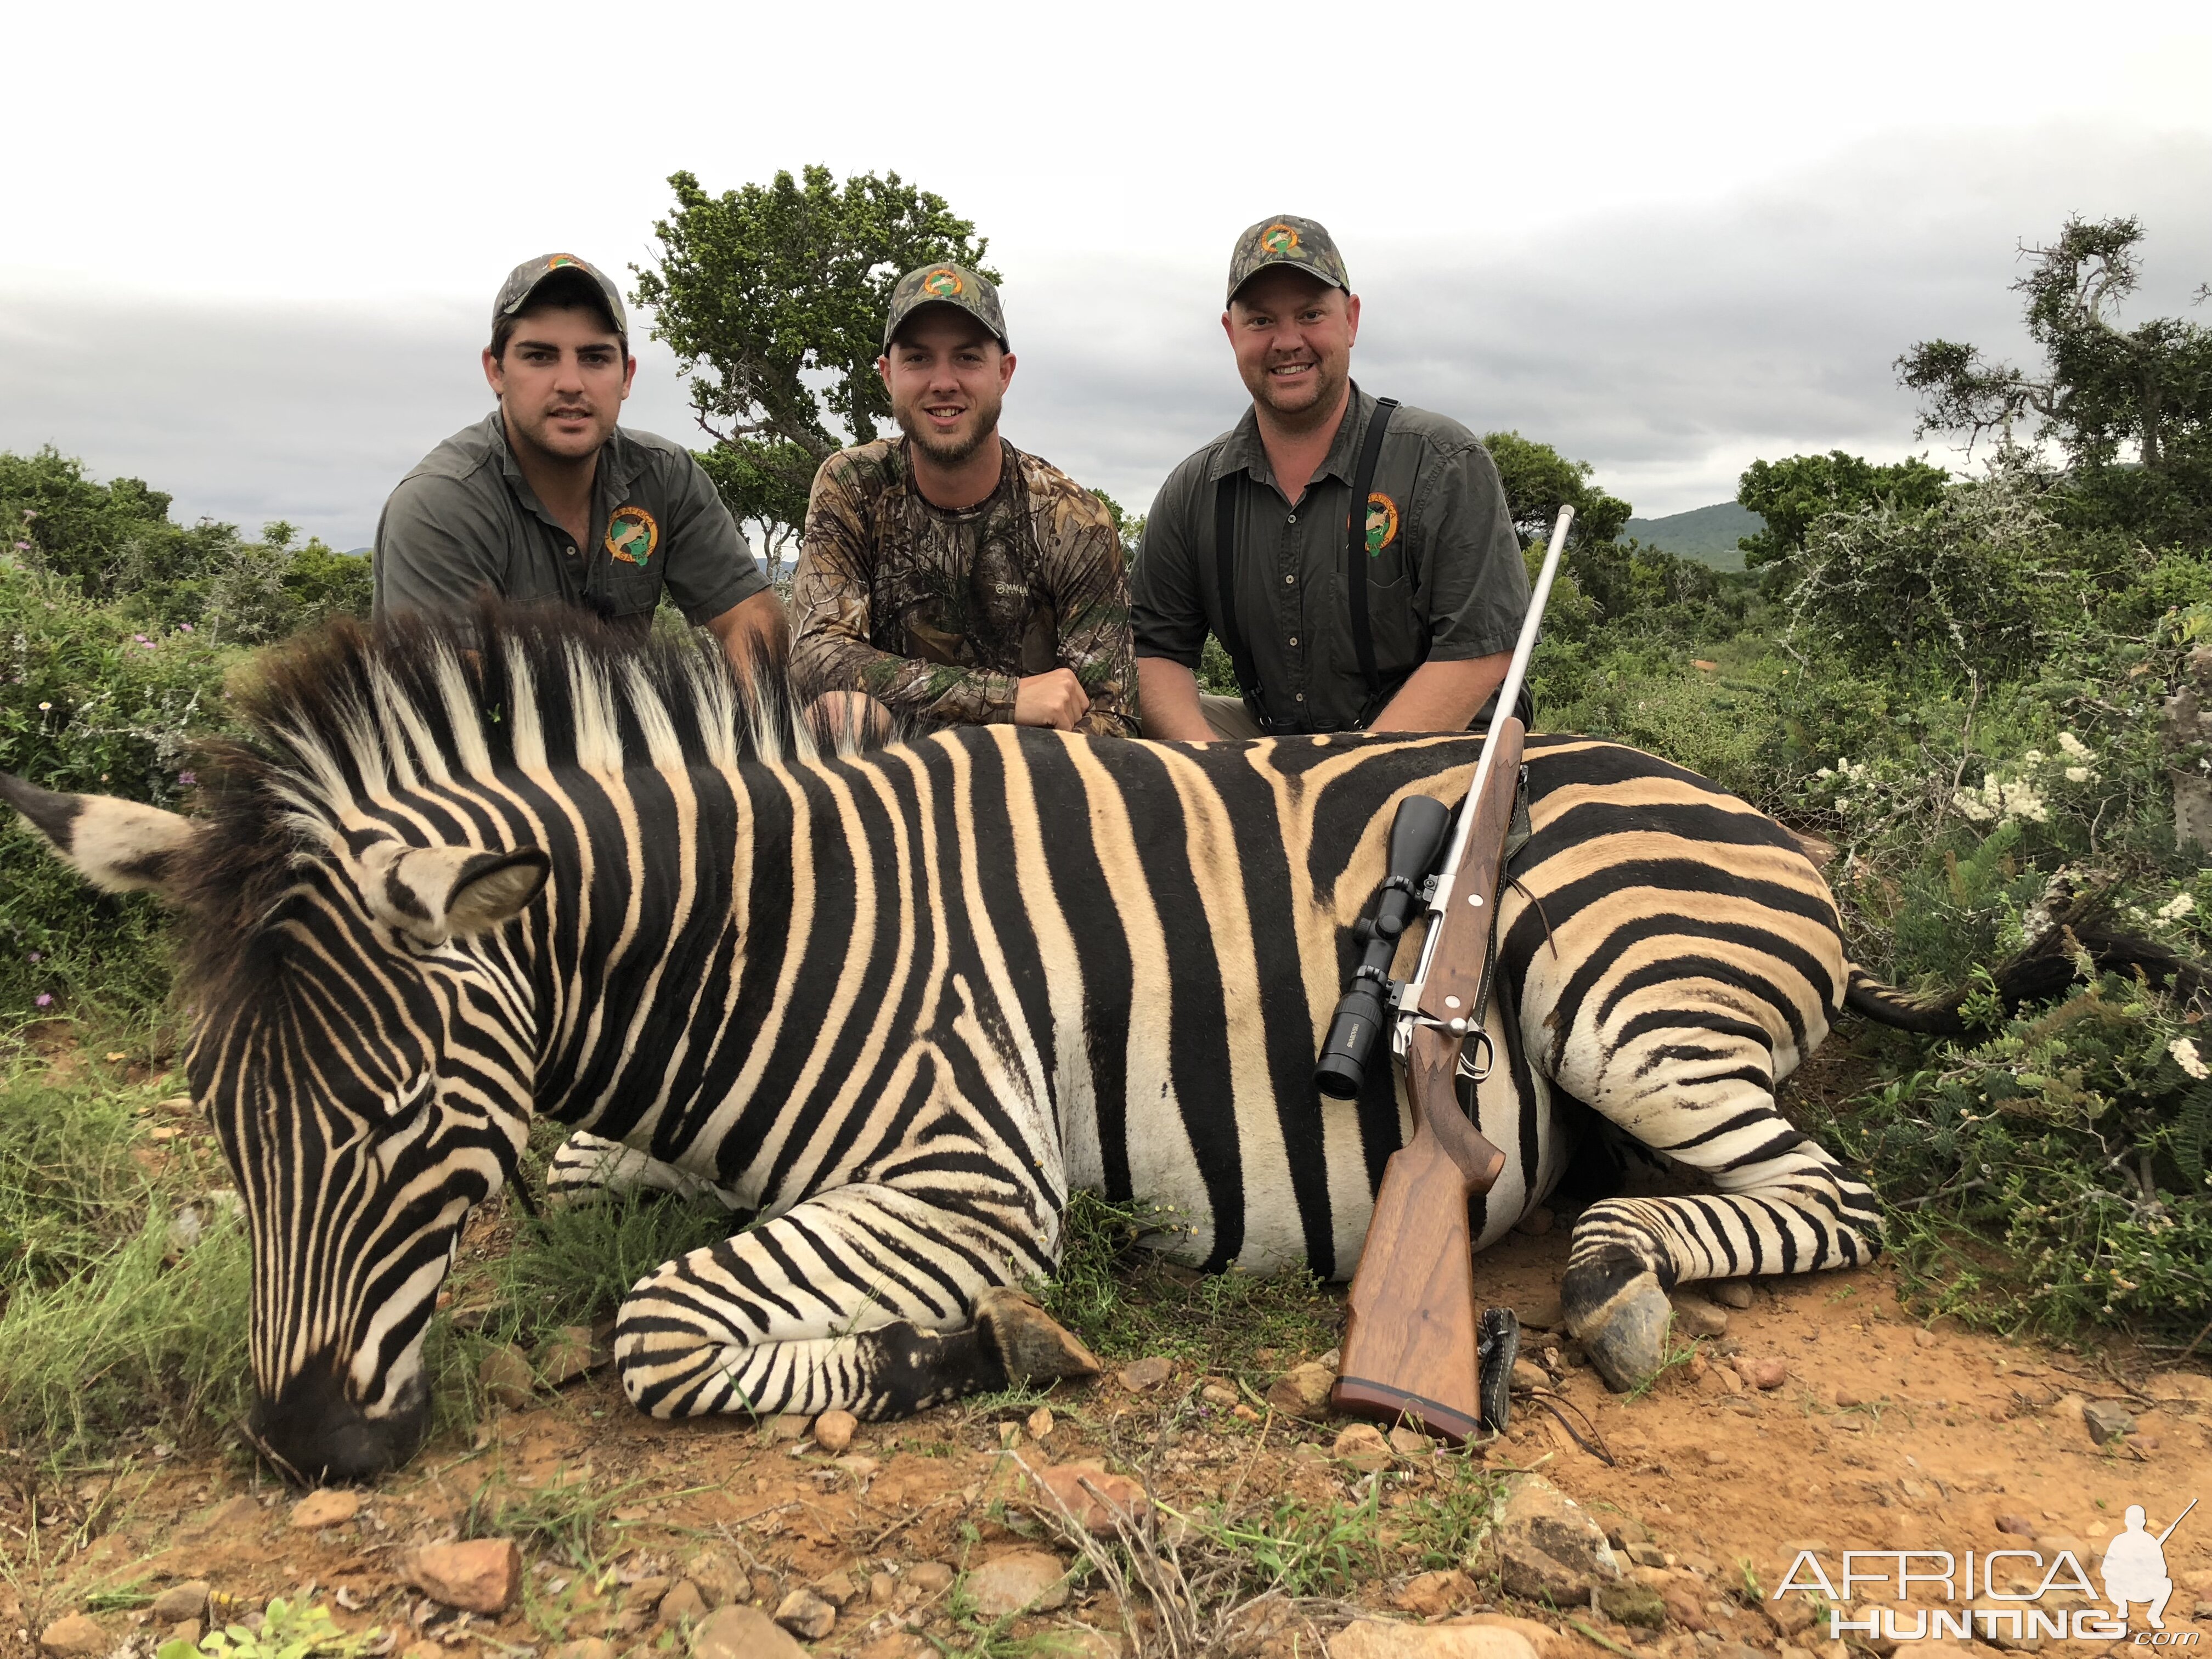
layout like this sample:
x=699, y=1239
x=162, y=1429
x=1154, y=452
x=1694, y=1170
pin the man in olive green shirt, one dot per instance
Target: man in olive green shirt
x=548, y=499
x=1442, y=582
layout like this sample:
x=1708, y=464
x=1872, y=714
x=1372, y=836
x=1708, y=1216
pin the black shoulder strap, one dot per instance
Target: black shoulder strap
x=1225, y=580
x=1355, y=575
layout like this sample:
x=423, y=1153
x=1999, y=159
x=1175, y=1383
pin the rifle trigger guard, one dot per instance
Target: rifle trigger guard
x=1475, y=1070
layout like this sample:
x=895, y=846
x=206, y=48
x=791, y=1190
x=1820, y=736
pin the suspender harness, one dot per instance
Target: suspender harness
x=1224, y=576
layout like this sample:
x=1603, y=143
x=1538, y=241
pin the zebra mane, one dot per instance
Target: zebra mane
x=349, y=712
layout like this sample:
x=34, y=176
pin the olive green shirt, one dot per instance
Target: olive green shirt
x=465, y=519
x=1443, y=567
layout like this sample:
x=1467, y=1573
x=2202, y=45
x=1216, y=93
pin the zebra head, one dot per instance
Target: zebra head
x=364, y=1052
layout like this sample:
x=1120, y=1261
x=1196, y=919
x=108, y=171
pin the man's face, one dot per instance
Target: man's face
x=947, y=376
x=1292, y=334
x=562, y=380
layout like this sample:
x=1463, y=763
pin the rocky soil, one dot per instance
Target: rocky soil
x=1818, y=1415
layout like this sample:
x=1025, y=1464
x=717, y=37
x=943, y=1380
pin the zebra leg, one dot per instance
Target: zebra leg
x=1784, y=1205
x=585, y=1168
x=864, y=1299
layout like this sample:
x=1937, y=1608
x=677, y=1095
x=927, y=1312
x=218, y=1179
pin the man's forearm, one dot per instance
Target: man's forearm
x=1443, y=696
x=1167, y=702
x=754, y=630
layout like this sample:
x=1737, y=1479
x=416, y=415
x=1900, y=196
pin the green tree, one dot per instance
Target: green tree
x=773, y=298
x=1791, y=493
x=2130, y=408
x=1538, y=481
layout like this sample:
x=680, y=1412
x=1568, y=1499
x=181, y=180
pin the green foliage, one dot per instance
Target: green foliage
x=288, y=1631
x=1538, y=481
x=1791, y=493
x=764, y=482
x=2130, y=409
x=769, y=292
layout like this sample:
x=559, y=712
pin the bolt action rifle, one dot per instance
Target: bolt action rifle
x=1415, y=1345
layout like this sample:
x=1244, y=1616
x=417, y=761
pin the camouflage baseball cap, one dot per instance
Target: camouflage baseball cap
x=1286, y=240
x=527, y=279
x=945, y=284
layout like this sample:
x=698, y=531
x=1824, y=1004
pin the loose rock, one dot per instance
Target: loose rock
x=735, y=1632
x=1362, y=1445
x=683, y=1601
x=1540, y=1516
x=186, y=1601
x=786, y=1425
x=1411, y=1442
x=1682, y=1607
x=834, y=1431
x=1303, y=1391
x=484, y=1575
x=930, y=1578
x=331, y=1507
x=1540, y=1314
x=2017, y=1525
x=1730, y=1293
x=565, y=1355
x=1695, y=1316
x=1376, y=1638
x=1528, y=1375
x=805, y=1614
x=588, y=1646
x=1072, y=1485
x=225, y=1520
x=1146, y=1374
x=1434, y=1594
x=1770, y=1371
x=187, y=1630
x=1528, y=1573
x=882, y=1587
x=507, y=1378
x=1633, y=1604
x=74, y=1637
x=1548, y=1642
x=1026, y=1578
x=2106, y=1421
x=1040, y=1423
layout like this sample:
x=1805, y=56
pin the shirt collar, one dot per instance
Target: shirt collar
x=620, y=460
x=1242, y=452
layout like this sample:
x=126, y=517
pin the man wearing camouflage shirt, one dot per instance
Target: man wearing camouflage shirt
x=946, y=574
x=1401, y=619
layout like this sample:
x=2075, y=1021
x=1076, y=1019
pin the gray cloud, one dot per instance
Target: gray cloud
x=1670, y=347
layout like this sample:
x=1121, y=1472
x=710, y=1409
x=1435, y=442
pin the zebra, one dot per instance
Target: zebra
x=894, y=1001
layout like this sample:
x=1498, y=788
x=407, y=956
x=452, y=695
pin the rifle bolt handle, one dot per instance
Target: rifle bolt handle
x=1457, y=1027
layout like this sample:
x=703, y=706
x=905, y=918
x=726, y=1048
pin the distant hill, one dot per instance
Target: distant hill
x=1707, y=534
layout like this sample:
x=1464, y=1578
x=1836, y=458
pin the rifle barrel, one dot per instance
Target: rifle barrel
x=1509, y=694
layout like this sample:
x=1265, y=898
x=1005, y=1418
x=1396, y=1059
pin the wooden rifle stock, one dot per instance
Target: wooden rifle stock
x=1409, y=1346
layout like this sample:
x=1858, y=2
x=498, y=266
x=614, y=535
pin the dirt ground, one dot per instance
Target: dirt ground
x=1884, y=1434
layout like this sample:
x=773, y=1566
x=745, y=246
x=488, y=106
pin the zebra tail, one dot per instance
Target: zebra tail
x=2036, y=973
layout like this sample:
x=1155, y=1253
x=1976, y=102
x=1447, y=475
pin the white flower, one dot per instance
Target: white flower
x=2180, y=906
x=1972, y=806
x=2034, y=758
x=2079, y=775
x=2020, y=801
x=2184, y=1055
x=2075, y=748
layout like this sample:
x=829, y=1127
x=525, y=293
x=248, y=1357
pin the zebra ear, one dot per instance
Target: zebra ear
x=438, y=893
x=119, y=845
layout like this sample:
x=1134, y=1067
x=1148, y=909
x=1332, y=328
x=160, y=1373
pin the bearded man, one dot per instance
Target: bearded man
x=946, y=574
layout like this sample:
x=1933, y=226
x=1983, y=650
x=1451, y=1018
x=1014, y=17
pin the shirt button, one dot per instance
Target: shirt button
x=1294, y=518
x=1294, y=639
x=1287, y=580
x=1301, y=696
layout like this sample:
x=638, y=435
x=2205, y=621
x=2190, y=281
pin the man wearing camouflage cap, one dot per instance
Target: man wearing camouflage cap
x=547, y=499
x=1355, y=557
x=946, y=574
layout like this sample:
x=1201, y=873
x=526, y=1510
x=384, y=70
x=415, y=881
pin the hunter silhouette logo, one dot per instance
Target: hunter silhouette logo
x=942, y=284
x=1381, y=523
x=1279, y=238
x=1985, y=1595
x=632, y=535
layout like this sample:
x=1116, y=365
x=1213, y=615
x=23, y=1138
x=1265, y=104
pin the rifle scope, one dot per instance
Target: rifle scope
x=1417, y=836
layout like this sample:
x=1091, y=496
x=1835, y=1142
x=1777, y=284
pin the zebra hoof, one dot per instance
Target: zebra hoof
x=1030, y=1344
x=1625, y=1335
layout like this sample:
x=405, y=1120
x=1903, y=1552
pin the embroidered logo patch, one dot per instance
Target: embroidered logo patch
x=1381, y=523
x=1279, y=238
x=560, y=260
x=942, y=284
x=632, y=535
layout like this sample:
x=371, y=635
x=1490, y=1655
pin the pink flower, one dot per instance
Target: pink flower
x=35, y=956
x=44, y=998
x=187, y=779
x=184, y=628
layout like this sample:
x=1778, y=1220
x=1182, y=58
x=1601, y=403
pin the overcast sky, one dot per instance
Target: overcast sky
x=248, y=251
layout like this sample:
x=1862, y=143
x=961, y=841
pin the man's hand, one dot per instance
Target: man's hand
x=1054, y=699
x=754, y=630
x=1167, y=703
